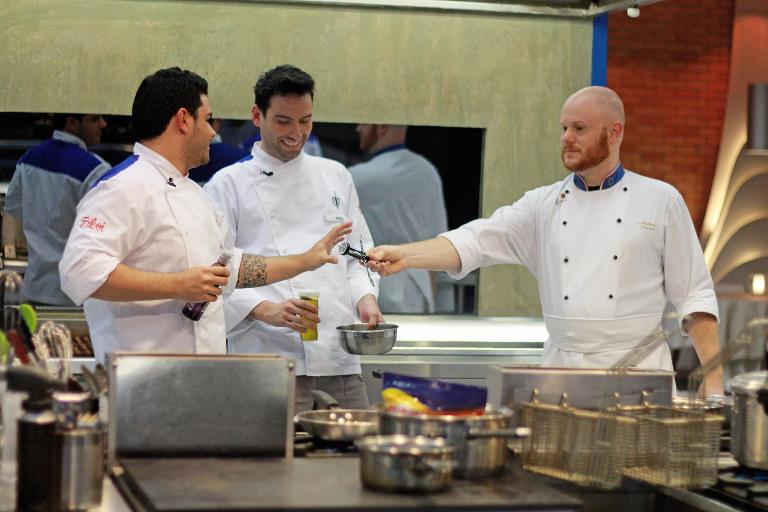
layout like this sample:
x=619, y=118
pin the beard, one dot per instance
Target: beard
x=205, y=155
x=273, y=147
x=198, y=152
x=590, y=157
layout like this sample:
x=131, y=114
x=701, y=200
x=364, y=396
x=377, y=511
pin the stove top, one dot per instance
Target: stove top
x=744, y=487
x=308, y=446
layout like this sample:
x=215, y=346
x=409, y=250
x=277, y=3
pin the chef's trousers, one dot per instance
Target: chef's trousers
x=348, y=390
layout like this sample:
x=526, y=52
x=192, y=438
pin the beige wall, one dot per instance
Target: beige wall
x=506, y=74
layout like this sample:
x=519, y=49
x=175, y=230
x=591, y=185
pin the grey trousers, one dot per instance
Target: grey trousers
x=348, y=390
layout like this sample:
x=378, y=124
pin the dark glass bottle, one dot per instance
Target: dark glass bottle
x=195, y=311
x=36, y=456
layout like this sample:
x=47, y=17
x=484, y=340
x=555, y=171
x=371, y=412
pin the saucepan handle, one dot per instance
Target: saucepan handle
x=323, y=400
x=510, y=433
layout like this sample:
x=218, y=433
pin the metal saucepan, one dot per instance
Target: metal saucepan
x=405, y=463
x=336, y=424
x=479, y=442
x=749, y=419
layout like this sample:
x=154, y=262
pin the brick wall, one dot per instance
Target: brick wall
x=670, y=66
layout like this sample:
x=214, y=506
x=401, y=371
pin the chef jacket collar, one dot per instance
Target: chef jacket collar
x=68, y=137
x=387, y=149
x=613, y=178
x=170, y=173
x=271, y=163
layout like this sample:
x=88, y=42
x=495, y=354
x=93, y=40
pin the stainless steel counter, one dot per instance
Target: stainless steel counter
x=456, y=348
x=454, y=341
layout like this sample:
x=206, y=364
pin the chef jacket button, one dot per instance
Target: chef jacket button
x=567, y=191
x=565, y=222
x=566, y=297
x=565, y=260
x=610, y=296
x=625, y=189
x=615, y=257
x=618, y=220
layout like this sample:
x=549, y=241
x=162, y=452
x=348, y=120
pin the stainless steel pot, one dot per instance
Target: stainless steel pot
x=332, y=423
x=479, y=442
x=749, y=419
x=339, y=424
x=405, y=463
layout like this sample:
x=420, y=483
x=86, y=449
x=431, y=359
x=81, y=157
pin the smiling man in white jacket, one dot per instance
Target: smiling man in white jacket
x=608, y=247
x=146, y=235
x=276, y=201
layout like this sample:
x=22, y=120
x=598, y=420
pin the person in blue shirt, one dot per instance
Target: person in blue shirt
x=49, y=181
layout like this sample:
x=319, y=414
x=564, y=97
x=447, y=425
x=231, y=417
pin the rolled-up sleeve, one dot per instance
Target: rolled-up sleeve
x=238, y=305
x=234, y=270
x=100, y=239
x=687, y=281
x=508, y=236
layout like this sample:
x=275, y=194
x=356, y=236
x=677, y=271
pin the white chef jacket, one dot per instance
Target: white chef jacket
x=49, y=181
x=606, y=262
x=277, y=208
x=145, y=214
x=401, y=195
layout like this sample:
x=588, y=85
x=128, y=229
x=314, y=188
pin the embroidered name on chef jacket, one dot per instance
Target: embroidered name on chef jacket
x=92, y=223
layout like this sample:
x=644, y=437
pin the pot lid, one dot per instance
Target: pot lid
x=749, y=382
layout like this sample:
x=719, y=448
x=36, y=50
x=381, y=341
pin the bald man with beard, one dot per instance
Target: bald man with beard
x=608, y=247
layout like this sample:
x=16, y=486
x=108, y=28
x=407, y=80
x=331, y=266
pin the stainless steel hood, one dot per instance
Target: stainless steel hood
x=556, y=8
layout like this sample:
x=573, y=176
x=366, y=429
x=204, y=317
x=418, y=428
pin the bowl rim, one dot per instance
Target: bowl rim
x=383, y=327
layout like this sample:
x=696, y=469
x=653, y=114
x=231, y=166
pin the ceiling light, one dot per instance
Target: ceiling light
x=756, y=284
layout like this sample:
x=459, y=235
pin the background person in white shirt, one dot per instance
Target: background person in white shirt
x=146, y=235
x=401, y=195
x=49, y=181
x=608, y=247
x=276, y=203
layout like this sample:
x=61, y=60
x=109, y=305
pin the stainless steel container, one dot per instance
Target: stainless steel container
x=82, y=467
x=80, y=451
x=405, y=463
x=479, y=442
x=749, y=419
x=359, y=339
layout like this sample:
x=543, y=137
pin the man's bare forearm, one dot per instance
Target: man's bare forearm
x=702, y=329
x=260, y=270
x=434, y=254
x=126, y=284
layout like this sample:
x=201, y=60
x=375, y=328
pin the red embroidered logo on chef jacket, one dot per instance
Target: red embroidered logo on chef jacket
x=92, y=223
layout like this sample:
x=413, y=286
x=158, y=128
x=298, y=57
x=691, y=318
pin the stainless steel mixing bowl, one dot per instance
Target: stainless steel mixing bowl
x=358, y=339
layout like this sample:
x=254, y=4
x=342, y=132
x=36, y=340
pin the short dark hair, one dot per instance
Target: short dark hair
x=160, y=96
x=60, y=120
x=282, y=81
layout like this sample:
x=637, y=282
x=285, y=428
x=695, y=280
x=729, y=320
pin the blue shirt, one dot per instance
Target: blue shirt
x=49, y=181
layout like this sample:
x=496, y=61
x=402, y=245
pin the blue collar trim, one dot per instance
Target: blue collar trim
x=388, y=149
x=613, y=178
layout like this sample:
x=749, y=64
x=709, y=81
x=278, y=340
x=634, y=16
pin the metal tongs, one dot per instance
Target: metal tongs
x=347, y=250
